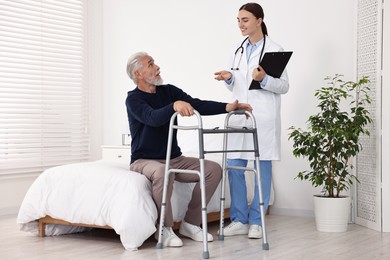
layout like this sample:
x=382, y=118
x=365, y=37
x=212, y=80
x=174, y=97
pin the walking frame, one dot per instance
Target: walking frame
x=256, y=170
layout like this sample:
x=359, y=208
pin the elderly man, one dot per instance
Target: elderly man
x=149, y=108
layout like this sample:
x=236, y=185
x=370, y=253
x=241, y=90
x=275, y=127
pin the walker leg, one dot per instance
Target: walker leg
x=204, y=210
x=162, y=214
x=221, y=236
x=166, y=183
x=222, y=206
x=261, y=202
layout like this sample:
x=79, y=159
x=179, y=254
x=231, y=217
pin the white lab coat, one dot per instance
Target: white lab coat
x=265, y=103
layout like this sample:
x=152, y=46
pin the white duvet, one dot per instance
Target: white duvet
x=105, y=193
x=98, y=193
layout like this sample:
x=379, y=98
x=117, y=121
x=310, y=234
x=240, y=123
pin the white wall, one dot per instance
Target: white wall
x=192, y=40
x=95, y=76
x=12, y=191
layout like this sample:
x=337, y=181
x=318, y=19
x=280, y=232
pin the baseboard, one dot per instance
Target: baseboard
x=292, y=212
x=9, y=211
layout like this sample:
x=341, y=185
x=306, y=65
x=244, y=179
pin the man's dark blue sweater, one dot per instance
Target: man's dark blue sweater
x=149, y=115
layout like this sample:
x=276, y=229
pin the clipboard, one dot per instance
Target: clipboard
x=274, y=64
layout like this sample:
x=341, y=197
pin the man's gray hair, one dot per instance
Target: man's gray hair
x=134, y=64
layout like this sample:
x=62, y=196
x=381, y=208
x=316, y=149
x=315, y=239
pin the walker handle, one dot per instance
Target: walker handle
x=238, y=112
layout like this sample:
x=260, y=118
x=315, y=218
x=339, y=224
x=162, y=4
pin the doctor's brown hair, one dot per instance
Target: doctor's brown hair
x=258, y=12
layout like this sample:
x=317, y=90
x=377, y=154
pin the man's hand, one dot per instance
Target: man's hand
x=238, y=106
x=183, y=108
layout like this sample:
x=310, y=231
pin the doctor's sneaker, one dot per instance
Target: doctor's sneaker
x=255, y=231
x=193, y=232
x=236, y=228
x=169, y=238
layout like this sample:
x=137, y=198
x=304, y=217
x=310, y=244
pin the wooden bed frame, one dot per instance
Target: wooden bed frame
x=211, y=217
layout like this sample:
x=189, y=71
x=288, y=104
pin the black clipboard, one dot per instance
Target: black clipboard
x=274, y=64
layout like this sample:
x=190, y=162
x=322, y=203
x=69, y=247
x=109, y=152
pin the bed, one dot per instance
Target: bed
x=103, y=194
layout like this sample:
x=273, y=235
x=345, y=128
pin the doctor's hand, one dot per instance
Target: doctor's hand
x=258, y=73
x=238, y=106
x=183, y=108
x=222, y=75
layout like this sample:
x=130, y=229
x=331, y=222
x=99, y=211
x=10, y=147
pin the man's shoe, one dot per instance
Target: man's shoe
x=236, y=228
x=255, y=231
x=193, y=232
x=169, y=238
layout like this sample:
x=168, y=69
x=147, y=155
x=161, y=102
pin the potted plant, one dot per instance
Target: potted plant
x=330, y=143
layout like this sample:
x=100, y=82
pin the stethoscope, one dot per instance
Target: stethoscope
x=241, y=48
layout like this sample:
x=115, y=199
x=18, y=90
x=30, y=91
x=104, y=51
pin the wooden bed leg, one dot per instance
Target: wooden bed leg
x=41, y=228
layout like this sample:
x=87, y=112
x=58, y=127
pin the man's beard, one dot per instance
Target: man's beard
x=156, y=81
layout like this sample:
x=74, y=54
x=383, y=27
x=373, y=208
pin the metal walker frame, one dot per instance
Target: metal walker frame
x=227, y=130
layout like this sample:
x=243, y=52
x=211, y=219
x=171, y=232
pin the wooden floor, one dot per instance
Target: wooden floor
x=289, y=238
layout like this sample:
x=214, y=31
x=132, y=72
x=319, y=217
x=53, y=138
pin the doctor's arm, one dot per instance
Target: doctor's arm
x=223, y=75
x=276, y=85
x=226, y=76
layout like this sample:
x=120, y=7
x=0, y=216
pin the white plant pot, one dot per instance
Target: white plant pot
x=331, y=214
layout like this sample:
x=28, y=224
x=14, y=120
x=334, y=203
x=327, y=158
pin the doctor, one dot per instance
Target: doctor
x=265, y=101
